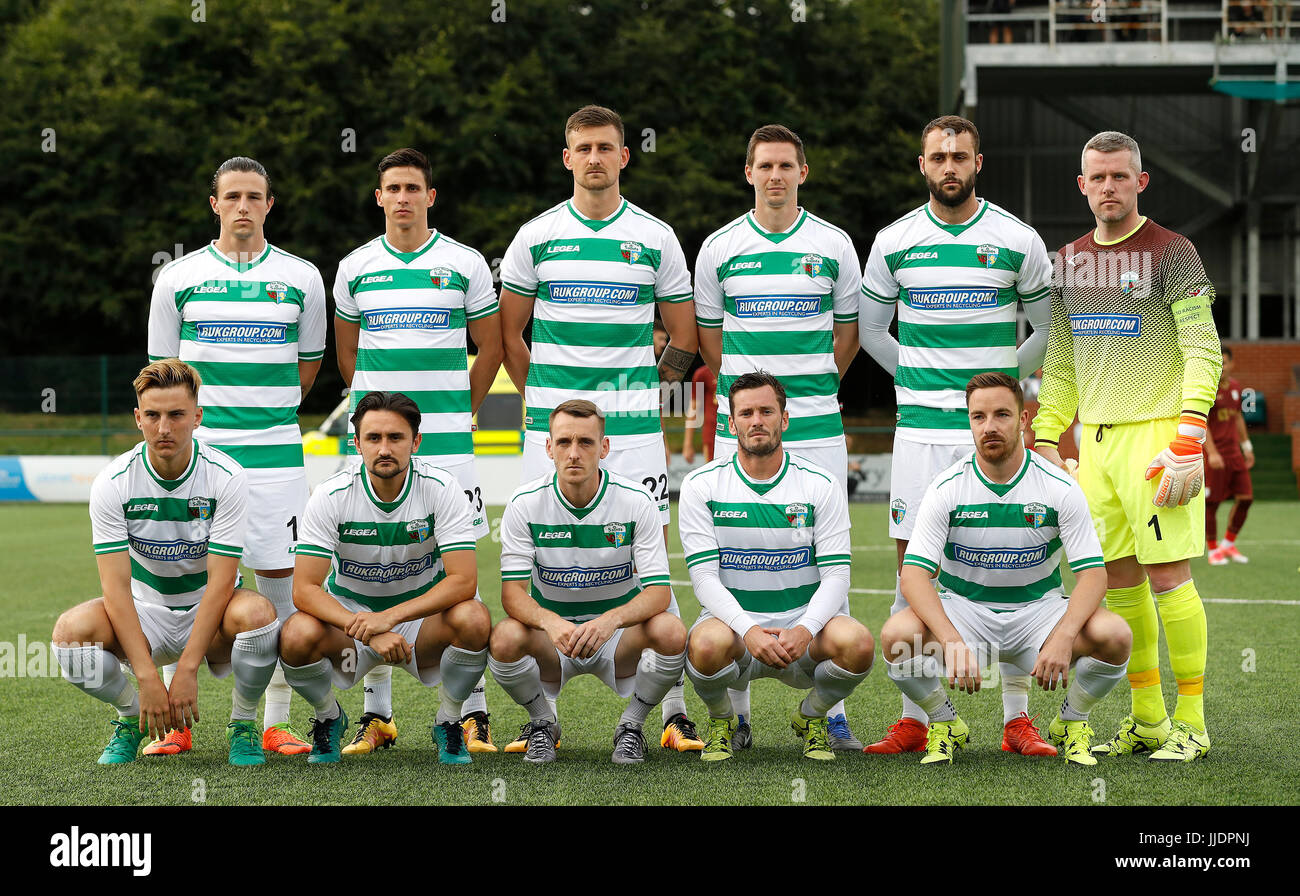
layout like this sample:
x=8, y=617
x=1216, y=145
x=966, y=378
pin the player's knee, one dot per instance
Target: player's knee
x=299, y=636
x=472, y=623
x=509, y=641
x=901, y=636
x=252, y=611
x=666, y=634
x=707, y=648
x=74, y=625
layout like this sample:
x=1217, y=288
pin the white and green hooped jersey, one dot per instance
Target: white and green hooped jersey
x=769, y=539
x=412, y=308
x=596, y=284
x=1000, y=545
x=244, y=327
x=386, y=553
x=956, y=287
x=583, y=561
x=169, y=526
x=776, y=297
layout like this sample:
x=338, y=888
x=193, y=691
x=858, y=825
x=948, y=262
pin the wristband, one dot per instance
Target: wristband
x=1246, y=446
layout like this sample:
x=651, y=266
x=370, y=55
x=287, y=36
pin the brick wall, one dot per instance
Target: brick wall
x=1265, y=365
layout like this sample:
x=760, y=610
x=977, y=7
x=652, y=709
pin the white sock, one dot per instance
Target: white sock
x=831, y=684
x=1093, y=679
x=675, y=700
x=522, y=682
x=460, y=669
x=653, y=679
x=315, y=685
x=740, y=703
x=378, y=686
x=917, y=678
x=911, y=709
x=713, y=689
x=278, y=693
x=98, y=673
x=253, y=659
x=1015, y=692
x=838, y=710
x=477, y=699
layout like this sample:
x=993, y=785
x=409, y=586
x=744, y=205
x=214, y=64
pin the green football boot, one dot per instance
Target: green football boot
x=125, y=745
x=452, y=749
x=1073, y=738
x=944, y=740
x=815, y=733
x=245, y=742
x=1134, y=737
x=717, y=739
x=1184, y=744
x=325, y=737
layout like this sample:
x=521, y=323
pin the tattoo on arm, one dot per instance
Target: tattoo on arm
x=675, y=364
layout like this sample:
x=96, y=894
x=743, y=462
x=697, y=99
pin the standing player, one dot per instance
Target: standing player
x=394, y=537
x=590, y=272
x=584, y=579
x=777, y=289
x=1229, y=456
x=168, y=525
x=403, y=304
x=956, y=269
x=991, y=528
x=766, y=536
x=1134, y=350
x=251, y=319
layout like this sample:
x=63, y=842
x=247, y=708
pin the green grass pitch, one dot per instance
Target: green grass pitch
x=55, y=732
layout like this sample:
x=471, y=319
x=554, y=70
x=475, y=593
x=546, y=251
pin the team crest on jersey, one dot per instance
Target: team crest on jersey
x=440, y=277
x=1128, y=282
x=616, y=534
x=797, y=515
x=987, y=254
x=277, y=291
x=812, y=265
x=417, y=530
x=201, y=508
x=898, y=510
x=1035, y=514
x=631, y=251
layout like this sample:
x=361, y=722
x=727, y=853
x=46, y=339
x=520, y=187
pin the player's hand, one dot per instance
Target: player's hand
x=764, y=645
x=1181, y=468
x=1249, y=455
x=795, y=641
x=588, y=638
x=1053, y=664
x=1215, y=461
x=560, y=632
x=155, y=706
x=1049, y=452
x=392, y=647
x=962, y=666
x=183, y=698
x=688, y=451
x=366, y=625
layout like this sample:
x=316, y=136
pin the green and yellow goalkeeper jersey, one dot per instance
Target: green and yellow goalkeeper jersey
x=1132, y=335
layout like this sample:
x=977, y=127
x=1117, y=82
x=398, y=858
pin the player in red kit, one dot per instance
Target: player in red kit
x=1229, y=457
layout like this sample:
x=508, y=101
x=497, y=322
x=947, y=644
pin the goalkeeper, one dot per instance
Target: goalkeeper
x=1133, y=349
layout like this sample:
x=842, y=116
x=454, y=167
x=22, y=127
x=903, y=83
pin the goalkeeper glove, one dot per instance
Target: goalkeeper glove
x=1181, y=466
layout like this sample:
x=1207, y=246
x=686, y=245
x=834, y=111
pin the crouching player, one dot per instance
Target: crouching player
x=168, y=527
x=992, y=527
x=395, y=539
x=766, y=536
x=591, y=544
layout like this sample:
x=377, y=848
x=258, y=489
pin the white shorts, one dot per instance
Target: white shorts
x=367, y=659
x=908, y=481
x=645, y=464
x=467, y=475
x=274, y=516
x=834, y=458
x=601, y=665
x=797, y=675
x=168, y=631
x=1014, y=637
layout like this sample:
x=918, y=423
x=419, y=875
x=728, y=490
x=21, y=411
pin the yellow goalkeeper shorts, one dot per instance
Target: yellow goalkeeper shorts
x=1112, y=471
